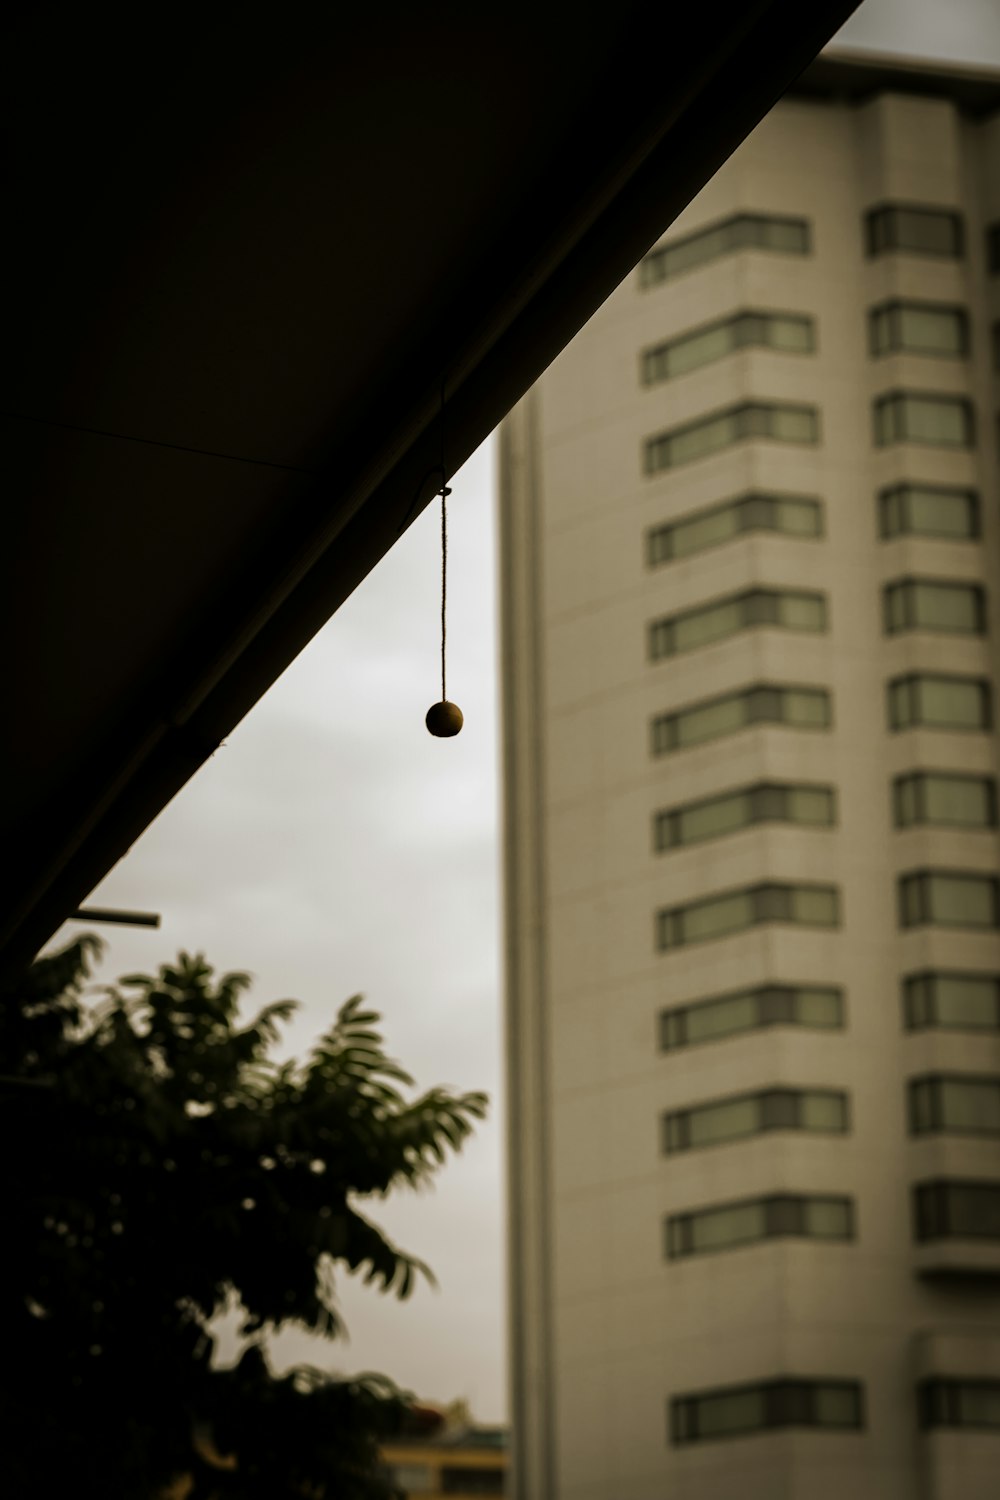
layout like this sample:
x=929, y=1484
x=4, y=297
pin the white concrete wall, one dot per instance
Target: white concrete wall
x=606, y=1330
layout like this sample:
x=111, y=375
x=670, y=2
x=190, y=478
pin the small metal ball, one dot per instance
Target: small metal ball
x=444, y=719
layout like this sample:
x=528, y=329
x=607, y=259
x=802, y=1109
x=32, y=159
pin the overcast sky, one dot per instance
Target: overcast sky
x=332, y=847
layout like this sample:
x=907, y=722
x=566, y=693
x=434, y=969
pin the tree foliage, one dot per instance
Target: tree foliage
x=162, y=1167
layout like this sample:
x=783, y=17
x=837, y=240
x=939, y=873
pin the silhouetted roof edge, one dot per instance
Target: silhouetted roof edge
x=854, y=77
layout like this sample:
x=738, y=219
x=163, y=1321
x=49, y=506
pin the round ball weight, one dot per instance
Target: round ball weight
x=444, y=719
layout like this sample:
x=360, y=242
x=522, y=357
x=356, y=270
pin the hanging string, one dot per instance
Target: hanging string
x=444, y=586
x=444, y=719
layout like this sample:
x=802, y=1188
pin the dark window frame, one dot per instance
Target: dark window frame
x=905, y=589
x=877, y=218
x=659, y=255
x=918, y=781
x=749, y=327
x=775, y=1005
x=759, y=608
x=925, y=874
x=925, y=1111
x=756, y=510
x=785, y=1217
x=921, y=1008
x=892, y=310
x=939, y=1402
x=769, y=803
x=937, y=1213
x=772, y=901
x=945, y=398
x=791, y=1401
x=893, y=496
x=910, y=679
x=780, y=1108
x=759, y=695
x=751, y=421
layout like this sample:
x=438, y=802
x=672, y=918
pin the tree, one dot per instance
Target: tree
x=161, y=1167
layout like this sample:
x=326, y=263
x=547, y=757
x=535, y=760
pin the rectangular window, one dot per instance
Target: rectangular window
x=949, y=898
x=791, y=515
x=933, y=604
x=779, y=422
x=952, y=1001
x=736, y=911
x=935, y=701
x=736, y=1411
x=918, y=231
x=952, y=1401
x=414, y=1479
x=750, y=1010
x=790, y=333
x=954, y=1103
x=787, y=609
x=781, y=1216
x=822, y=1111
x=766, y=703
x=956, y=1209
x=918, y=328
x=465, y=1481
x=915, y=417
x=951, y=799
x=928, y=510
x=993, y=248
x=766, y=802
x=741, y=232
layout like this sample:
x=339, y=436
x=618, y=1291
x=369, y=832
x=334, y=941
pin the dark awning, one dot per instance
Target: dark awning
x=250, y=244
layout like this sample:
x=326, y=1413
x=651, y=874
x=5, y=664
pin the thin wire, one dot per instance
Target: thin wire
x=444, y=493
x=444, y=584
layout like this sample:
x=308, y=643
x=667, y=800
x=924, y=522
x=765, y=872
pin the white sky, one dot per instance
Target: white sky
x=332, y=847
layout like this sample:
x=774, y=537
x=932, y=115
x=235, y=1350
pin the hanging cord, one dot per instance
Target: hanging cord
x=444, y=492
x=444, y=585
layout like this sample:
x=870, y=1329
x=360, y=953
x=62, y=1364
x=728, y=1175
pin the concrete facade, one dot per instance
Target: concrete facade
x=607, y=1330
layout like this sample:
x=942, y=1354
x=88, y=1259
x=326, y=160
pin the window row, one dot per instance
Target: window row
x=943, y=898
x=738, y=1410
x=956, y=1209
x=765, y=802
x=951, y=1000
x=742, y=1115
x=947, y=1000
x=947, y=1401
x=765, y=703
x=733, y=911
x=790, y=333
x=938, y=700
x=918, y=328
x=791, y=515
x=751, y=1010
x=934, y=604
x=943, y=1209
x=787, y=609
x=740, y=232
x=926, y=700
x=920, y=417
x=778, y=1216
x=929, y=510
x=949, y=898
x=781, y=422
x=951, y=799
x=942, y=421
x=903, y=510
x=954, y=1103
x=914, y=229
x=942, y=1401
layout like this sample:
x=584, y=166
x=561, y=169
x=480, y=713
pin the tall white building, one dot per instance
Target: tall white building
x=751, y=596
